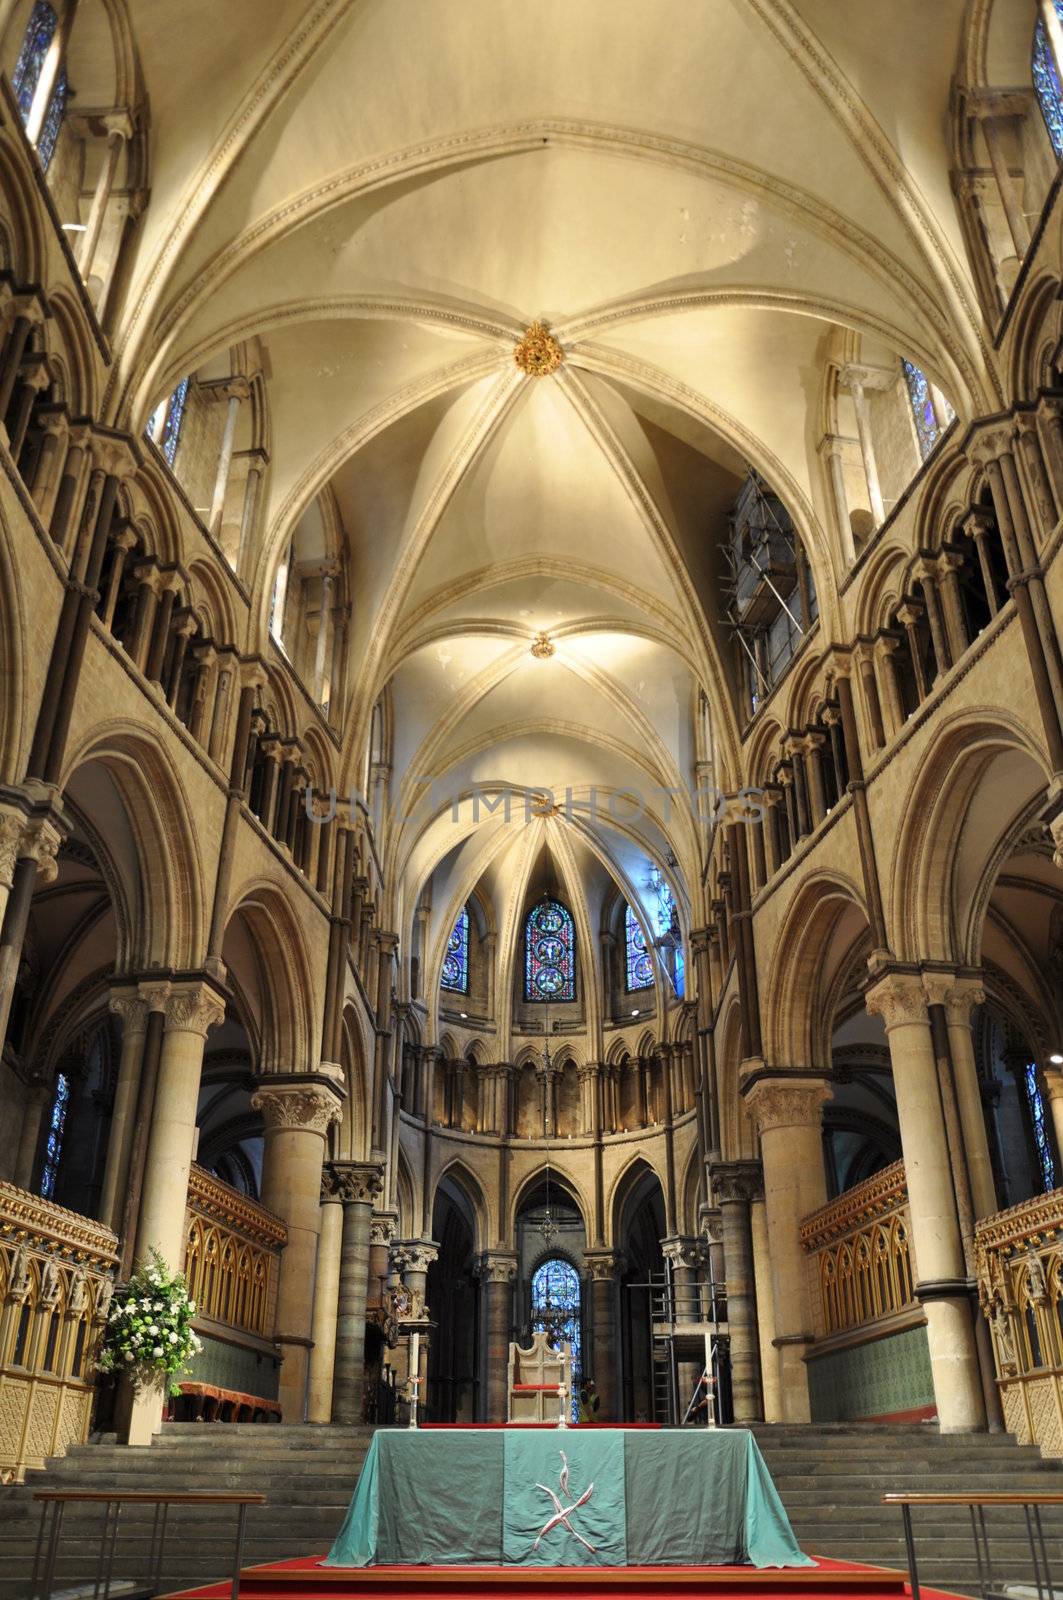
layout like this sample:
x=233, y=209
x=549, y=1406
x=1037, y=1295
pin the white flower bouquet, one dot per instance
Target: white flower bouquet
x=149, y=1332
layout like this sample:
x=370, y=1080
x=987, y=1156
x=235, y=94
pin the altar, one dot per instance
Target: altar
x=607, y=1497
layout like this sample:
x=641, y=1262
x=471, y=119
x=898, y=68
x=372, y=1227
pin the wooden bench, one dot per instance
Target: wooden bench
x=207, y=1402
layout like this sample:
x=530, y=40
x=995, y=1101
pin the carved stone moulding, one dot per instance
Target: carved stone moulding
x=538, y=353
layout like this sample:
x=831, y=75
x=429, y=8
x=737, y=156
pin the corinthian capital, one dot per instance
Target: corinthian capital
x=414, y=1255
x=132, y=1008
x=959, y=996
x=780, y=1103
x=300, y=1104
x=496, y=1266
x=739, y=1181
x=603, y=1265
x=359, y=1182
x=193, y=1008
x=898, y=998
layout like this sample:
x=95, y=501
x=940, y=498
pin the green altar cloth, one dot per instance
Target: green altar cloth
x=609, y=1497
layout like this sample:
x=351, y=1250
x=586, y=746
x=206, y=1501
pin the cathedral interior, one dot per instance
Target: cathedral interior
x=404, y=905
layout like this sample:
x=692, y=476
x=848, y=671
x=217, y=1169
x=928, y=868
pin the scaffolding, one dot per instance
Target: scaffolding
x=688, y=1329
x=768, y=597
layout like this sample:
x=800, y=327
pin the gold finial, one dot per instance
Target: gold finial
x=543, y=647
x=538, y=353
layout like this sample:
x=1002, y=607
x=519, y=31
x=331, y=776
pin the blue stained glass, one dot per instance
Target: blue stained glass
x=555, y=1299
x=549, y=953
x=456, y=962
x=680, y=972
x=922, y=403
x=171, y=427
x=1040, y=1131
x=1046, y=83
x=52, y=123
x=38, y=36
x=56, y=1126
x=639, y=963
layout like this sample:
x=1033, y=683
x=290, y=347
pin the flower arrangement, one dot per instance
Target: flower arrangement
x=149, y=1332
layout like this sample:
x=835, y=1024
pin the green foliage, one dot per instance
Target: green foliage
x=149, y=1331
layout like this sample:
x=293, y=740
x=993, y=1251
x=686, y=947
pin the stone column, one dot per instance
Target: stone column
x=1009, y=195
x=233, y=391
x=497, y=1271
x=769, y=1355
x=118, y=126
x=257, y=462
x=298, y=1110
x=683, y=1254
x=413, y=1257
x=856, y=378
x=55, y=426
x=326, y=1302
x=190, y=1010
x=959, y=996
x=28, y=850
x=942, y=1284
x=605, y=1267
x=735, y=1185
x=788, y=1109
x=381, y=1235
x=831, y=452
x=133, y=1010
x=360, y=1184
x=51, y=66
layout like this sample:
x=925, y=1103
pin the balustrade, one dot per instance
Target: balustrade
x=56, y=1280
x=859, y=1254
x=232, y=1254
x=1019, y=1263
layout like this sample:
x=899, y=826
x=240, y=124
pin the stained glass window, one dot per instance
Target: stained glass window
x=1046, y=83
x=639, y=961
x=171, y=426
x=456, y=962
x=1040, y=1131
x=38, y=36
x=52, y=123
x=555, y=1299
x=668, y=927
x=549, y=953
x=56, y=1126
x=922, y=403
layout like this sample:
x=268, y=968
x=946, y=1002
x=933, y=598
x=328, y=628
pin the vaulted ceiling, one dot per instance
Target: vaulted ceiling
x=697, y=196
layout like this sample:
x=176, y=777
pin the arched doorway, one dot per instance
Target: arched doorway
x=453, y=1301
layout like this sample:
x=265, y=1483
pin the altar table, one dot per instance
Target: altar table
x=608, y=1497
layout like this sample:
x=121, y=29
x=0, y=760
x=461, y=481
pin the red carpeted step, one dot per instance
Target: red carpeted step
x=304, y=1579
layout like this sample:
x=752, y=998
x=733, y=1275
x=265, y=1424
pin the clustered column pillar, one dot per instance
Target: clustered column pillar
x=942, y=1285
x=359, y=1184
x=735, y=1185
x=497, y=1271
x=788, y=1108
x=298, y=1110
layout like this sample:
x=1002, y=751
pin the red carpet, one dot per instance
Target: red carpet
x=303, y=1579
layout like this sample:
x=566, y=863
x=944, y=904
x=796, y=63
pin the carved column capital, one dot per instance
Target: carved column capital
x=959, y=996
x=414, y=1255
x=737, y=1181
x=193, y=1008
x=132, y=1007
x=358, y=1182
x=603, y=1265
x=682, y=1251
x=302, y=1105
x=898, y=998
x=496, y=1266
x=780, y=1103
x=382, y=1228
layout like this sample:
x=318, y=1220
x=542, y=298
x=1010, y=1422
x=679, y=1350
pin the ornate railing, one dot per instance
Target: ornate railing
x=233, y=1247
x=1019, y=1261
x=860, y=1255
x=56, y=1280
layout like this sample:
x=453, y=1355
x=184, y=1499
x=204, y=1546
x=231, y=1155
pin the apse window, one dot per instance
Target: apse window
x=456, y=961
x=549, y=953
x=555, y=1304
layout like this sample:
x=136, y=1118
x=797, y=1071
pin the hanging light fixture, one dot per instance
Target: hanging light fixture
x=547, y=1225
